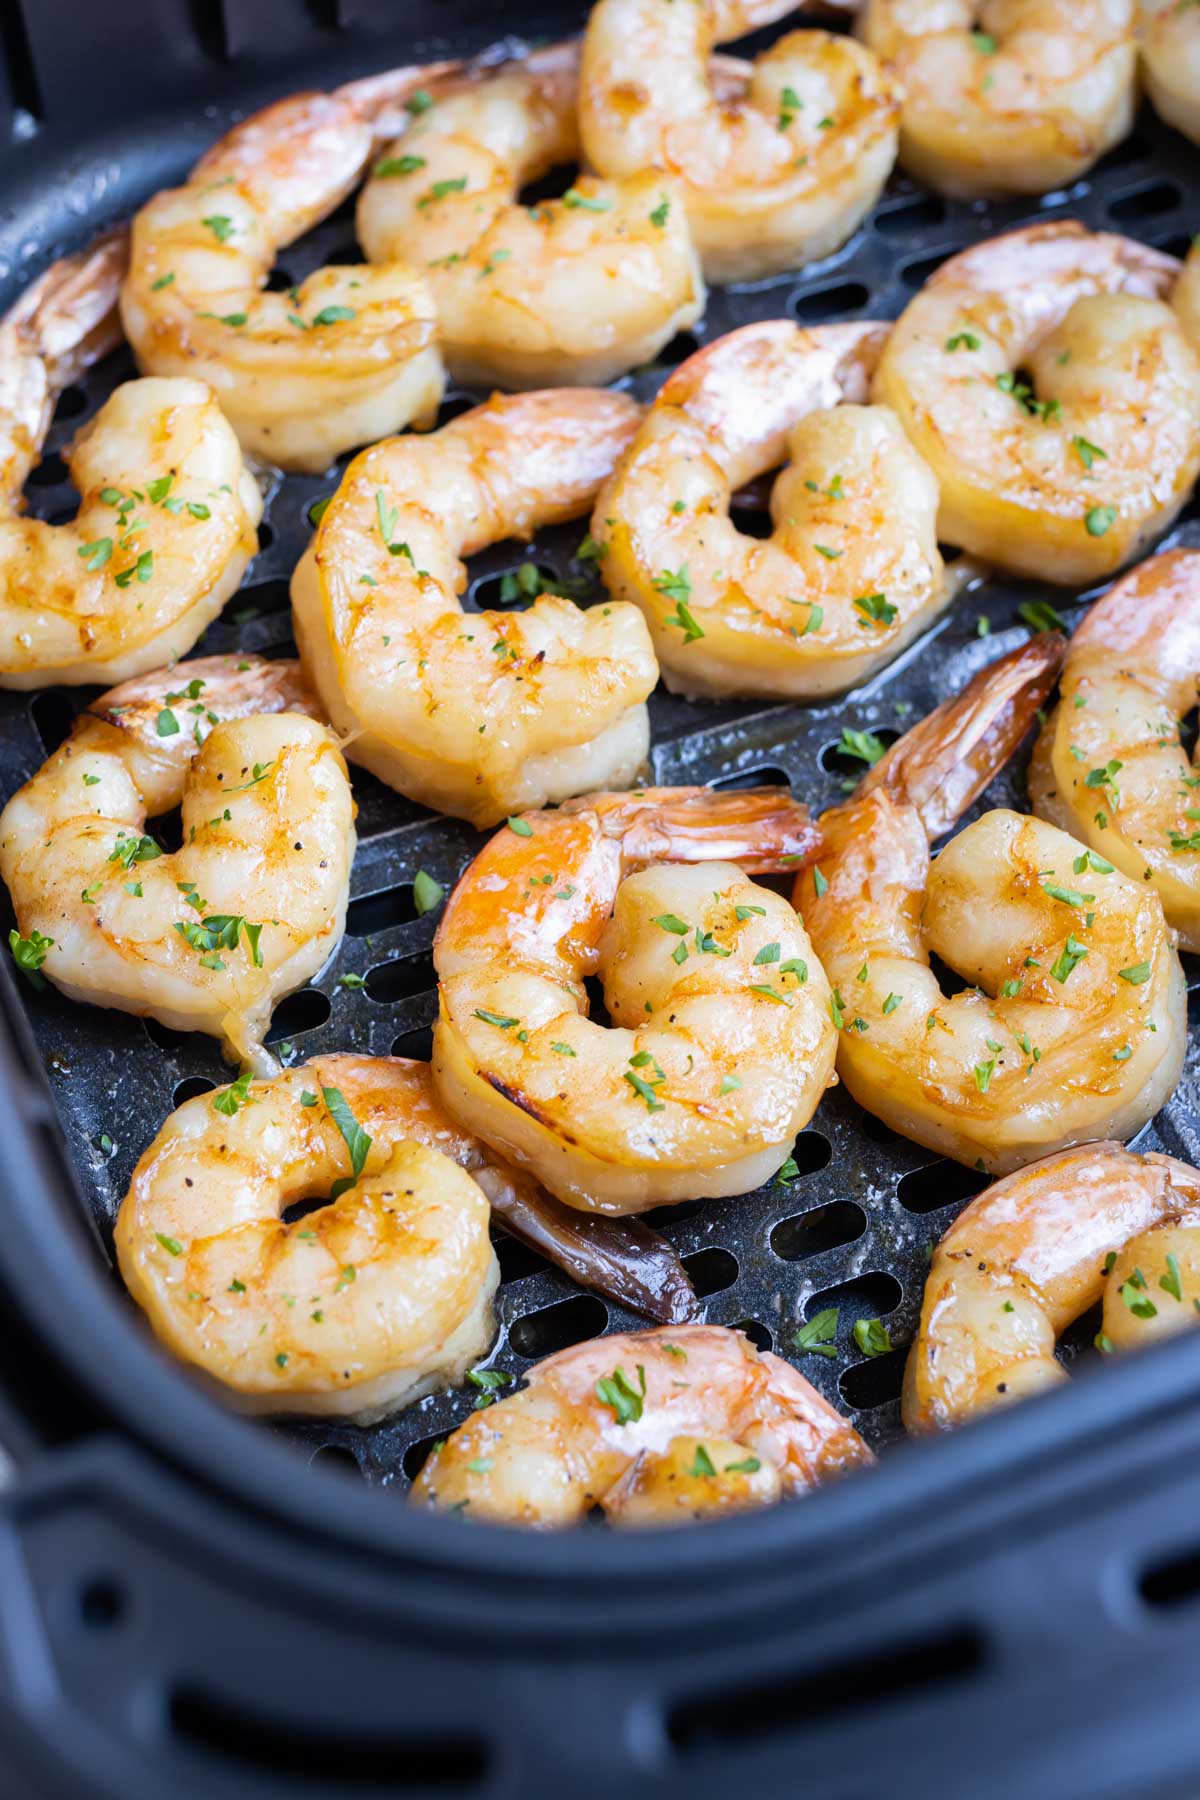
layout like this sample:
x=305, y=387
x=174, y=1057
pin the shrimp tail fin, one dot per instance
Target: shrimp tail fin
x=763, y=830
x=621, y=1259
x=946, y=761
x=68, y=318
x=381, y=100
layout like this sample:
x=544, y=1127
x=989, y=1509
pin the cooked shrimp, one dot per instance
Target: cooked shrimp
x=851, y=571
x=1016, y=97
x=1032, y=1254
x=720, y=1044
x=191, y=938
x=343, y=358
x=655, y=1427
x=1076, y=1025
x=1186, y=296
x=476, y=714
x=1171, y=62
x=1053, y=394
x=572, y=291
x=167, y=522
x=1109, y=766
x=778, y=160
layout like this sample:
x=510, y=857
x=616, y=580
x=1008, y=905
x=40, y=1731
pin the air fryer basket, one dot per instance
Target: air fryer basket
x=963, y=1580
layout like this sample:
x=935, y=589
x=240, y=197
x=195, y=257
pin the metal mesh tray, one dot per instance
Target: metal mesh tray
x=853, y=1228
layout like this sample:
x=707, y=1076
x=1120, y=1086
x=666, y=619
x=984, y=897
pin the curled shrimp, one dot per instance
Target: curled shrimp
x=720, y=1044
x=571, y=291
x=777, y=160
x=211, y=936
x=1109, y=766
x=1075, y=1026
x=851, y=571
x=166, y=525
x=343, y=358
x=1052, y=392
x=655, y=1427
x=1170, y=37
x=1017, y=98
x=476, y=714
x=385, y=1293
x=1034, y=1252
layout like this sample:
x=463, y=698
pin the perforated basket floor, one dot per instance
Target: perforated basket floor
x=853, y=1228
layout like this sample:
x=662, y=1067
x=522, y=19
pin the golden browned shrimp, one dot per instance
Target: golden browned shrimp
x=1171, y=61
x=1034, y=1252
x=1016, y=96
x=777, y=160
x=1109, y=766
x=851, y=572
x=342, y=359
x=1186, y=296
x=1076, y=1025
x=656, y=1427
x=720, y=1045
x=570, y=291
x=167, y=522
x=1054, y=395
x=477, y=714
x=210, y=937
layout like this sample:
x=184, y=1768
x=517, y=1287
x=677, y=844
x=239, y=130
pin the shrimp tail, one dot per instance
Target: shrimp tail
x=946, y=761
x=619, y=1258
x=382, y=100
x=68, y=318
x=762, y=829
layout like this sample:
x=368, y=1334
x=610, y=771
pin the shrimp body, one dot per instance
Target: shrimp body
x=166, y=525
x=1186, y=297
x=572, y=291
x=1109, y=766
x=1170, y=33
x=475, y=714
x=357, y=1309
x=344, y=358
x=210, y=937
x=777, y=160
x=720, y=1044
x=851, y=571
x=1034, y=1252
x=1075, y=1024
x=1066, y=475
x=656, y=1427
x=1024, y=104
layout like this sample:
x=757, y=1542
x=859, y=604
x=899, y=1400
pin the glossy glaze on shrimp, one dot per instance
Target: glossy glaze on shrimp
x=343, y=358
x=211, y=936
x=1075, y=1025
x=1170, y=40
x=166, y=523
x=720, y=1044
x=777, y=160
x=1018, y=97
x=657, y=1428
x=851, y=572
x=1053, y=393
x=478, y=714
x=570, y=291
x=1033, y=1253
x=1109, y=766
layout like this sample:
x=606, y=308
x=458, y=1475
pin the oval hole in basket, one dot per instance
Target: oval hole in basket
x=811, y=1151
x=417, y=1045
x=939, y=1184
x=1145, y=202
x=487, y=594
x=812, y=1233
x=304, y=1010
x=757, y=1332
x=53, y=714
x=557, y=1327
x=453, y=406
x=418, y=1454
x=911, y=213
x=337, y=1459
x=766, y=775
x=869, y=1296
x=816, y=304
x=517, y=1260
x=916, y=273
x=836, y=761
x=401, y=978
x=876, y=1382
x=191, y=1089
x=52, y=471
x=379, y=912
x=711, y=1270
x=681, y=346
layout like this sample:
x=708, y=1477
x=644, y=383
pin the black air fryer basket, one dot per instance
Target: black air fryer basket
x=194, y=1605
